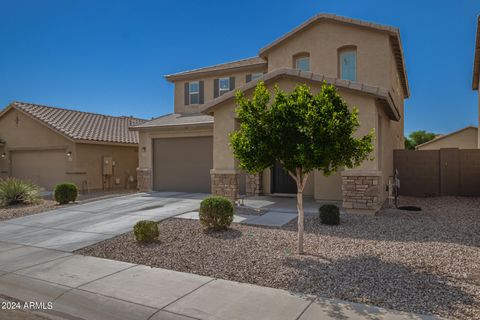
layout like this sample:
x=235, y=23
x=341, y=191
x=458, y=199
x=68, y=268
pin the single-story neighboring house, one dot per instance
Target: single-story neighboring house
x=48, y=145
x=465, y=138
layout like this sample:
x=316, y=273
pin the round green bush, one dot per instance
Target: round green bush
x=14, y=191
x=65, y=193
x=216, y=212
x=329, y=214
x=146, y=231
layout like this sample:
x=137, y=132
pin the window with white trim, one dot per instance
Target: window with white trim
x=194, y=92
x=223, y=85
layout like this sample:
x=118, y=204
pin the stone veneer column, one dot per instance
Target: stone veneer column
x=361, y=191
x=144, y=179
x=225, y=183
x=254, y=184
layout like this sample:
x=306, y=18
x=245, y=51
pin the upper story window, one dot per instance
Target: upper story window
x=257, y=75
x=348, y=63
x=301, y=61
x=194, y=92
x=253, y=76
x=224, y=85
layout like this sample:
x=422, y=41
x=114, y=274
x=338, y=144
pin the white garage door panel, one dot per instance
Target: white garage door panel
x=44, y=168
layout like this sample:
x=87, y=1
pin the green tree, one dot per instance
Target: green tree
x=418, y=137
x=301, y=131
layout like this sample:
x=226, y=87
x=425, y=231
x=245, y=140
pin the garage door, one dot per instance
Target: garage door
x=45, y=168
x=182, y=164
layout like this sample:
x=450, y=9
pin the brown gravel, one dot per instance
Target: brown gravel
x=16, y=211
x=425, y=262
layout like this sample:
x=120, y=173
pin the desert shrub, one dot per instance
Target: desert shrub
x=216, y=212
x=14, y=191
x=146, y=231
x=329, y=214
x=65, y=193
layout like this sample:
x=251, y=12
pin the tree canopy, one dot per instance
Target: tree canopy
x=301, y=131
x=418, y=137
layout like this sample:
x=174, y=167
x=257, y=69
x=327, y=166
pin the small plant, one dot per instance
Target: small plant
x=14, y=191
x=65, y=193
x=216, y=213
x=146, y=231
x=329, y=214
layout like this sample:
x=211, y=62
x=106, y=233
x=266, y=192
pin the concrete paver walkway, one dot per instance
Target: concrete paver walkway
x=77, y=226
x=268, y=219
x=82, y=287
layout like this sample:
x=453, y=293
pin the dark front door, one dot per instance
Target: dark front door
x=282, y=182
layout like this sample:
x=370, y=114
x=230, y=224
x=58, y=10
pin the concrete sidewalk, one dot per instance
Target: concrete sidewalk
x=82, y=287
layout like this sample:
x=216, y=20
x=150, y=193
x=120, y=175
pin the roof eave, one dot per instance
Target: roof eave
x=380, y=94
x=200, y=73
x=179, y=125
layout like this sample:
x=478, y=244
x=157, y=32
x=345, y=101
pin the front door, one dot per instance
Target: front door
x=282, y=182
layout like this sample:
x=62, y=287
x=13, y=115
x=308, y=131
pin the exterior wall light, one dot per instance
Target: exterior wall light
x=144, y=149
x=3, y=155
x=69, y=154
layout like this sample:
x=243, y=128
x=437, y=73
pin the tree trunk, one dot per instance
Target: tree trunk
x=301, y=180
x=300, y=218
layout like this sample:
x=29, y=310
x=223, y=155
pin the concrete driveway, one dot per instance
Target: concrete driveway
x=77, y=226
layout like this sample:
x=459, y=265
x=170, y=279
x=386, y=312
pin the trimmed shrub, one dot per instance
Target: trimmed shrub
x=65, y=193
x=216, y=212
x=329, y=214
x=14, y=191
x=146, y=231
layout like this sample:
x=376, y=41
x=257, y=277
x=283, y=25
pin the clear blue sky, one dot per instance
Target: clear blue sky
x=110, y=56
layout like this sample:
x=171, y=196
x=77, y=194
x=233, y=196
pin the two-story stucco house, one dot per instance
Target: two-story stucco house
x=189, y=149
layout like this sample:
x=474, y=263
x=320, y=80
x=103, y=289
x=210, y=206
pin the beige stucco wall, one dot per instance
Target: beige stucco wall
x=322, y=41
x=465, y=139
x=22, y=133
x=85, y=163
x=179, y=102
x=89, y=163
x=323, y=188
x=146, y=136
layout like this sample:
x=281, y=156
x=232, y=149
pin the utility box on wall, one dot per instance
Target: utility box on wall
x=107, y=166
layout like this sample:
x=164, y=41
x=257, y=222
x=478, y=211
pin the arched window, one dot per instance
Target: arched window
x=347, y=63
x=301, y=61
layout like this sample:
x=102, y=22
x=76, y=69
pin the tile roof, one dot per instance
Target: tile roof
x=382, y=95
x=254, y=61
x=176, y=119
x=83, y=126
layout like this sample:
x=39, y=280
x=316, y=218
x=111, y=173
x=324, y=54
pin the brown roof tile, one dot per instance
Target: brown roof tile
x=219, y=67
x=176, y=119
x=85, y=126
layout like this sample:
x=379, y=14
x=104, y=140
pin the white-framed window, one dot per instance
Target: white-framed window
x=223, y=85
x=256, y=75
x=348, y=64
x=194, y=92
x=302, y=63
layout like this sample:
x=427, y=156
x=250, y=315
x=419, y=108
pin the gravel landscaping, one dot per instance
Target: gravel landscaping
x=20, y=210
x=426, y=262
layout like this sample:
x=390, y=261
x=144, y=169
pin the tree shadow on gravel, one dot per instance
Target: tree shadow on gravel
x=368, y=279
